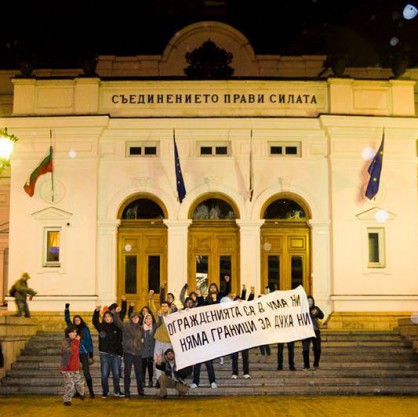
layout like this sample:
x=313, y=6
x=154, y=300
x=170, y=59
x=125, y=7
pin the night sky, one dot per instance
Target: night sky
x=59, y=33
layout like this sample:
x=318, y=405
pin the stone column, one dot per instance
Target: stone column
x=321, y=264
x=250, y=253
x=106, y=279
x=177, y=255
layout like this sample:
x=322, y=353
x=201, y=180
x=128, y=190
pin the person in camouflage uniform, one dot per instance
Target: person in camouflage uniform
x=20, y=293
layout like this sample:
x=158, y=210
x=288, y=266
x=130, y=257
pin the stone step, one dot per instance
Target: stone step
x=378, y=389
x=268, y=372
x=383, y=351
x=338, y=357
x=50, y=347
x=351, y=363
x=257, y=378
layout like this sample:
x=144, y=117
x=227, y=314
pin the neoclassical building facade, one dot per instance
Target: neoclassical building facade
x=274, y=161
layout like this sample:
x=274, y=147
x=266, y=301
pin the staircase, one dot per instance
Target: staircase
x=366, y=363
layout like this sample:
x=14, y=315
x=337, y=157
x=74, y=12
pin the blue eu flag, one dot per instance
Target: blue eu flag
x=181, y=189
x=375, y=170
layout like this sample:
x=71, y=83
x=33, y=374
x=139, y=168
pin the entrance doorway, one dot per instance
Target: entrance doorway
x=285, y=245
x=142, y=250
x=213, y=244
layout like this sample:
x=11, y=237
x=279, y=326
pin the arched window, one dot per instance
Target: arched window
x=284, y=209
x=214, y=209
x=142, y=208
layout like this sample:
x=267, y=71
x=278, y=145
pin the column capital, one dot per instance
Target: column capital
x=177, y=224
x=319, y=224
x=108, y=224
x=250, y=224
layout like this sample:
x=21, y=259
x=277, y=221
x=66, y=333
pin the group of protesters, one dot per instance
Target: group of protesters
x=144, y=344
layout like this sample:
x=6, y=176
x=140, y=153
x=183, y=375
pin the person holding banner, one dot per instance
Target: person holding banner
x=291, y=355
x=188, y=304
x=215, y=296
x=161, y=336
x=245, y=352
x=264, y=349
x=316, y=314
x=171, y=377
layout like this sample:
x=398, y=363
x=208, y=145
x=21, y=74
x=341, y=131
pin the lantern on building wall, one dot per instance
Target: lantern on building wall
x=7, y=143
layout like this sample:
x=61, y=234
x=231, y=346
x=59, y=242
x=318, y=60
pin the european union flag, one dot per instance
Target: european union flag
x=375, y=170
x=181, y=189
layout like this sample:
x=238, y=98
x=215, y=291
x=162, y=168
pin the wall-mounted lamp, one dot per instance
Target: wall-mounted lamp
x=7, y=143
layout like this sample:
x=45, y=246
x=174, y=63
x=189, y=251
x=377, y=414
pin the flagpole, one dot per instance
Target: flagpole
x=251, y=166
x=52, y=171
x=181, y=189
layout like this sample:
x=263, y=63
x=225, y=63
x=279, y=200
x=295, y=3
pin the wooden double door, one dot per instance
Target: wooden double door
x=285, y=256
x=142, y=260
x=213, y=253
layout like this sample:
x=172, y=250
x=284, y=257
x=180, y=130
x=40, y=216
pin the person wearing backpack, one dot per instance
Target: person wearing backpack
x=20, y=291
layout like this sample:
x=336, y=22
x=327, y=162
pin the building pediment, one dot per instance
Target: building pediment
x=376, y=214
x=52, y=213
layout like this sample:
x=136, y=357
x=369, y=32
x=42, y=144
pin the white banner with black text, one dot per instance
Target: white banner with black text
x=208, y=332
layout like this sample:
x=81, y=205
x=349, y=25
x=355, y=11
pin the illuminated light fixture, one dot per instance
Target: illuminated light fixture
x=7, y=143
x=368, y=153
x=381, y=216
x=394, y=41
x=410, y=11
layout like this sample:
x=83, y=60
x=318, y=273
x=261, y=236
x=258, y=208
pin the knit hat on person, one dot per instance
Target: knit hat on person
x=135, y=314
x=113, y=306
x=108, y=312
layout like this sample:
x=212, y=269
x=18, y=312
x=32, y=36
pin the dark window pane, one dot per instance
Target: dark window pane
x=202, y=271
x=150, y=150
x=206, y=150
x=285, y=209
x=214, y=209
x=225, y=268
x=154, y=273
x=374, y=247
x=135, y=150
x=130, y=274
x=276, y=150
x=143, y=209
x=273, y=274
x=221, y=150
x=291, y=150
x=297, y=271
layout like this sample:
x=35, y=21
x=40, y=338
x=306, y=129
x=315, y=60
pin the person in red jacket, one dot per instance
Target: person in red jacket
x=70, y=365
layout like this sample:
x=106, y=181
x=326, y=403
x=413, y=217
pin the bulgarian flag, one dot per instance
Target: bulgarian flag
x=44, y=167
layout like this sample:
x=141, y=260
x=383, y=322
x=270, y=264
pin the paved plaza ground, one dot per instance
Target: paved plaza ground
x=261, y=406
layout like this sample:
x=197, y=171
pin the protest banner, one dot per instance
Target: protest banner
x=208, y=332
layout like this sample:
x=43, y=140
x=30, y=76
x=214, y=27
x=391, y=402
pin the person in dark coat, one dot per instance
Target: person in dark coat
x=132, y=341
x=110, y=350
x=316, y=314
x=149, y=326
x=245, y=353
x=85, y=347
x=171, y=377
